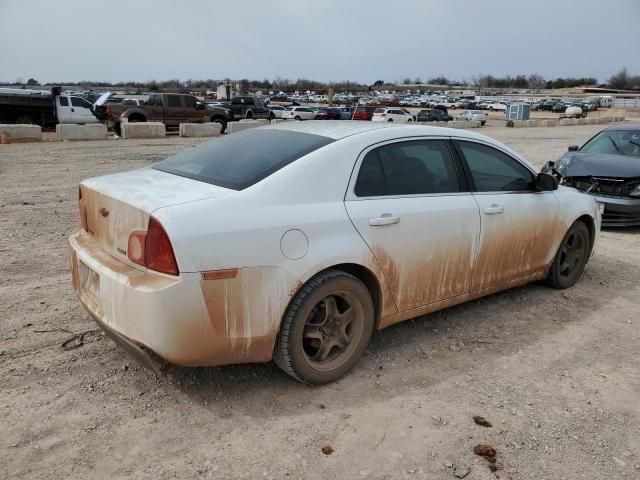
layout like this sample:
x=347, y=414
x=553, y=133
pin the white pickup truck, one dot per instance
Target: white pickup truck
x=44, y=108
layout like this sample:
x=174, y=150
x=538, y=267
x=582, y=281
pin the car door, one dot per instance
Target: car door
x=412, y=208
x=63, y=109
x=174, y=110
x=81, y=111
x=519, y=225
x=189, y=110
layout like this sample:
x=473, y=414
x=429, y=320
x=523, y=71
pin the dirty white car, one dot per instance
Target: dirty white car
x=294, y=242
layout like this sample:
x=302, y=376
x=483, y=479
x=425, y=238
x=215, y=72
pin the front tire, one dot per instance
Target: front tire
x=571, y=258
x=223, y=124
x=326, y=329
x=390, y=120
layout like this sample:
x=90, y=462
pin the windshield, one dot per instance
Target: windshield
x=242, y=159
x=615, y=142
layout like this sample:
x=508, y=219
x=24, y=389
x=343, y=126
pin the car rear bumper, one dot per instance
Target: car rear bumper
x=185, y=320
x=620, y=212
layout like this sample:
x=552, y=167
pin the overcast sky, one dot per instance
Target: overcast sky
x=328, y=40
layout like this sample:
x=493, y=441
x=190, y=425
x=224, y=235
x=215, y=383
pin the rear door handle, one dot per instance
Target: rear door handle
x=384, y=219
x=493, y=209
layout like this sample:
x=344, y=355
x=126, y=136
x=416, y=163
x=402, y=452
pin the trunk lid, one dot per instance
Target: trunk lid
x=113, y=206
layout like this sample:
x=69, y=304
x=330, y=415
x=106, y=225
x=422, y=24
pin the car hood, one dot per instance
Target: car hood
x=584, y=164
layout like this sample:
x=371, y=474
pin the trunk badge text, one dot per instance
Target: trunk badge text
x=104, y=212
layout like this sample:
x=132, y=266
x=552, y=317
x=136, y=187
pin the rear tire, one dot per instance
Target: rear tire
x=571, y=258
x=25, y=120
x=390, y=120
x=297, y=117
x=326, y=328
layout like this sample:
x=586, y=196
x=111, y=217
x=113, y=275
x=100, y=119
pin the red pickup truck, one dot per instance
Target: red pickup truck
x=172, y=109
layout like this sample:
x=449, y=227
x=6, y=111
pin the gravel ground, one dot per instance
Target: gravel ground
x=556, y=373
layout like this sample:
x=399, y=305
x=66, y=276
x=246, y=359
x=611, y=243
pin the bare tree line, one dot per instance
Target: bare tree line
x=621, y=80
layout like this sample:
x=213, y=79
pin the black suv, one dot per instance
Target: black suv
x=434, y=115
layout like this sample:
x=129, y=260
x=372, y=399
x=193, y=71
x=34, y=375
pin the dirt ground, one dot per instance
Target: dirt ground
x=557, y=373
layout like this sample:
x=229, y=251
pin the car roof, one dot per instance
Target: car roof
x=339, y=129
x=625, y=126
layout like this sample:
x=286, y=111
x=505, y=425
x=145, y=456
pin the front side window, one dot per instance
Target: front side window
x=495, y=171
x=79, y=102
x=407, y=168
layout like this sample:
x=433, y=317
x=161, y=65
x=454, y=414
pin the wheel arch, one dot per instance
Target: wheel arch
x=362, y=273
x=591, y=225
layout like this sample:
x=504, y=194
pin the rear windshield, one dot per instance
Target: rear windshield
x=242, y=159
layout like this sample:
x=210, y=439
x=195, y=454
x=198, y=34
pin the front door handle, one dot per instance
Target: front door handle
x=493, y=209
x=384, y=219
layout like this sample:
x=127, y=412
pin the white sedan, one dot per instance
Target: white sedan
x=392, y=115
x=473, y=115
x=294, y=242
x=275, y=111
x=298, y=113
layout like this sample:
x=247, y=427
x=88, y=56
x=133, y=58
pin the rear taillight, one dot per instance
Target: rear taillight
x=136, y=247
x=382, y=114
x=152, y=249
x=109, y=111
x=158, y=252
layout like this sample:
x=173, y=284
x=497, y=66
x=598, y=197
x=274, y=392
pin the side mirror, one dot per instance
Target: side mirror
x=199, y=106
x=573, y=148
x=546, y=182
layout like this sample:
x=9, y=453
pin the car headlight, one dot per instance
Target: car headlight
x=635, y=192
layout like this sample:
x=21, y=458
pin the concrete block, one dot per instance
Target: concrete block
x=71, y=131
x=143, y=130
x=20, y=133
x=234, y=127
x=463, y=124
x=261, y=121
x=200, y=129
x=277, y=120
x=567, y=122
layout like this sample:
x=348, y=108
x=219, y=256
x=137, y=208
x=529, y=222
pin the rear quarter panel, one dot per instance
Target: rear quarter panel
x=573, y=205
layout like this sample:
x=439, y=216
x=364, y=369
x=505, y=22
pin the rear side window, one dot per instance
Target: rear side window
x=240, y=160
x=408, y=168
x=190, y=102
x=495, y=171
x=173, y=101
x=64, y=101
